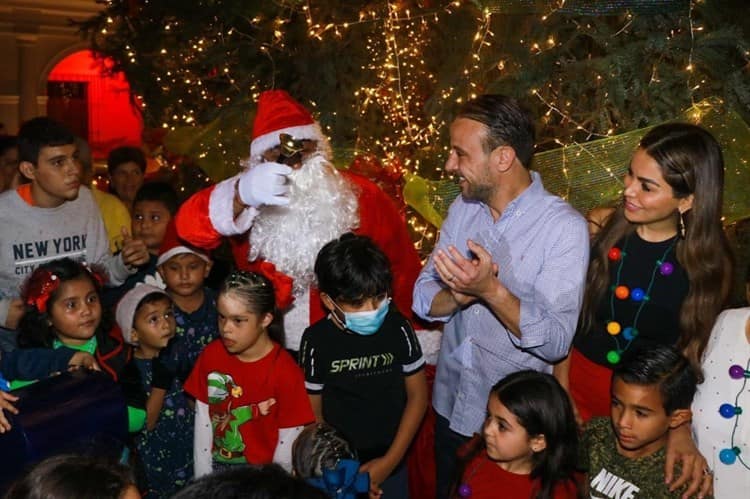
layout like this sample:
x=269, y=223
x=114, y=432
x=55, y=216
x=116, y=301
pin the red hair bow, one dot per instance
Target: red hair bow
x=282, y=283
x=42, y=285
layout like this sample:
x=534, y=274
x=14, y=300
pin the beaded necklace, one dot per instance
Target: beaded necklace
x=638, y=295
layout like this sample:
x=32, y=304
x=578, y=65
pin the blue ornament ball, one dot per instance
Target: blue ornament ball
x=727, y=456
x=727, y=411
x=637, y=294
x=629, y=333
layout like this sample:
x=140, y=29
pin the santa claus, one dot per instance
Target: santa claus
x=289, y=201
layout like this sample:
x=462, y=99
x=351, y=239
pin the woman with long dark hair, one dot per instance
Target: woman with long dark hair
x=661, y=266
x=660, y=269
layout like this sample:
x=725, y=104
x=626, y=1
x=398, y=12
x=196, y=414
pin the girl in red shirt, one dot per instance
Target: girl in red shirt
x=529, y=447
x=251, y=401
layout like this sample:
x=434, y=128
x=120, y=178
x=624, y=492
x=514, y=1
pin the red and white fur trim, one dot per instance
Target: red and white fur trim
x=221, y=210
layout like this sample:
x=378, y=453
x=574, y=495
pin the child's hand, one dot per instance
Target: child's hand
x=83, y=360
x=265, y=406
x=134, y=251
x=379, y=469
x=6, y=405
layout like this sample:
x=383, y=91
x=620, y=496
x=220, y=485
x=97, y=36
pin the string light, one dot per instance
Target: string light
x=400, y=75
x=732, y=454
x=567, y=117
x=690, y=67
x=400, y=81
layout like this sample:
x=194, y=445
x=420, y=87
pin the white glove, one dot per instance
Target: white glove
x=265, y=183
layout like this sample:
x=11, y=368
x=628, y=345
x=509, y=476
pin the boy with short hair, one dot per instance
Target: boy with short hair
x=52, y=217
x=652, y=391
x=154, y=206
x=184, y=270
x=146, y=318
x=363, y=363
x=144, y=315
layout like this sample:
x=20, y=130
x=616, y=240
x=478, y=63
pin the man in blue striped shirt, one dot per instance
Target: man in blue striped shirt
x=506, y=275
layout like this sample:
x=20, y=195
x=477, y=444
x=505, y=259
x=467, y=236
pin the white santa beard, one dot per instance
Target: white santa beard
x=323, y=205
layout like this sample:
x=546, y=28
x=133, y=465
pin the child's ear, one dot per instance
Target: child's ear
x=27, y=169
x=538, y=443
x=680, y=417
x=267, y=319
x=161, y=272
x=133, y=336
x=209, y=264
x=327, y=301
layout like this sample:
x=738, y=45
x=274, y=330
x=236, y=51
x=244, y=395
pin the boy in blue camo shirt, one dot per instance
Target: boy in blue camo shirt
x=184, y=270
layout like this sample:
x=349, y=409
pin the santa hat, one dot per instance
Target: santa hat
x=126, y=307
x=278, y=113
x=172, y=245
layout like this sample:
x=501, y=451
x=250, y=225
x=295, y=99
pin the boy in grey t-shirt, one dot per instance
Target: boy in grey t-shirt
x=52, y=217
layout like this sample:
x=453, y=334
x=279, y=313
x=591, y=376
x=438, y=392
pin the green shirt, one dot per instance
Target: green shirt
x=613, y=476
x=89, y=346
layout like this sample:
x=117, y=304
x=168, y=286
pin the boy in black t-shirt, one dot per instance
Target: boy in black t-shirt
x=363, y=363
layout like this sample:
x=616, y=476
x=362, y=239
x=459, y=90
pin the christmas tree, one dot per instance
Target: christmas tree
x=384, y=77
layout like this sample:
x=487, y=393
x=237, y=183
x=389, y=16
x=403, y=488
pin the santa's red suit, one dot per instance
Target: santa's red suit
x=379, y=219
x=209, y=216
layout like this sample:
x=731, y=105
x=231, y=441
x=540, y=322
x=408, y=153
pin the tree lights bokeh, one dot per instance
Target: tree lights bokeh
x=384, y=77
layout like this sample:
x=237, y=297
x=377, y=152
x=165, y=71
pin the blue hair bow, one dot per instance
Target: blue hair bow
x=343, y=482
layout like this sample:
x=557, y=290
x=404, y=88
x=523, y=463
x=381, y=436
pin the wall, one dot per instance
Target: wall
x=34, y=36
x=112, y=119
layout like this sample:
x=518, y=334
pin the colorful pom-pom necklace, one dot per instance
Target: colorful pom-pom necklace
x=638, y=295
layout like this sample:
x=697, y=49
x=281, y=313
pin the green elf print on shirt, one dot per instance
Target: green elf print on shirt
x=226, y=419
